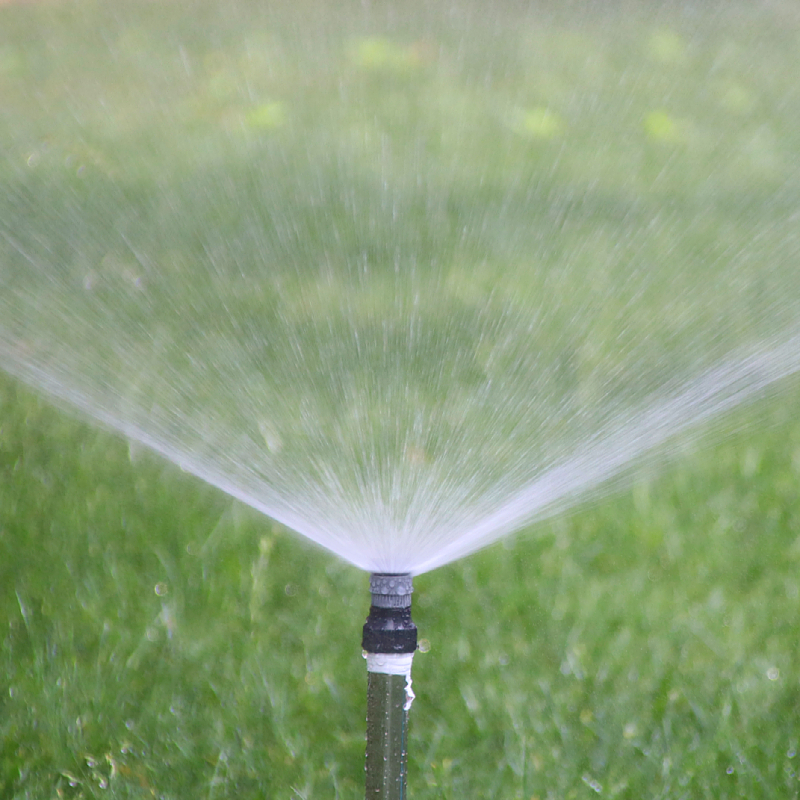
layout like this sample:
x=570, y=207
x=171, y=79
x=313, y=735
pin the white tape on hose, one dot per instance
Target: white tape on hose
x=393, y=664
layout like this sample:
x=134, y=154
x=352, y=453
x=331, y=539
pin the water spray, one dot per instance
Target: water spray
x=389, y=642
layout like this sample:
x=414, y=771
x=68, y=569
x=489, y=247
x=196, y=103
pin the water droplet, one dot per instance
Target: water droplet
x=773, y=673
x=161, y=589
x=730, y=770
x=424, y=646
x=593, y=784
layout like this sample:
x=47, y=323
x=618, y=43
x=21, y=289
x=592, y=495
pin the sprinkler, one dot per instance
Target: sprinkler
x=389, y=642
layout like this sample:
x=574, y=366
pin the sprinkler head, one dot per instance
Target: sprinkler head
x=389, y=628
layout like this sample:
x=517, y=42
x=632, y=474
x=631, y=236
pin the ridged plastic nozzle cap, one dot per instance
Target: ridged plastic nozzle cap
x=390, y=591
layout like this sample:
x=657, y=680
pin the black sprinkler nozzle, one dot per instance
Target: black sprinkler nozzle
x=389, y=628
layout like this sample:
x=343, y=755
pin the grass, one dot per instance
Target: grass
x=161, y=640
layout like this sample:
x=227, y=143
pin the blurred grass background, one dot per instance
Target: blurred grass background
x=162, y=641
x=159, y=640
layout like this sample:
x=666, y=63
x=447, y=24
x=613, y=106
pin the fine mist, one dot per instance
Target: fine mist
x=404, y=283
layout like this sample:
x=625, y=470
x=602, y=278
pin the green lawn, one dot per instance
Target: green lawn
x=334, y=237
x=160, y=641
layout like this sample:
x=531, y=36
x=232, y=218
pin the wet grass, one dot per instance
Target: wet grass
x=160, y=640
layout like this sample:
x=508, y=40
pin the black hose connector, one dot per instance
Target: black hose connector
x=389, y=628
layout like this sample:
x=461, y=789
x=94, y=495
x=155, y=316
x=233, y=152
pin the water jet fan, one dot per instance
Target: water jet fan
x=404, y=281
